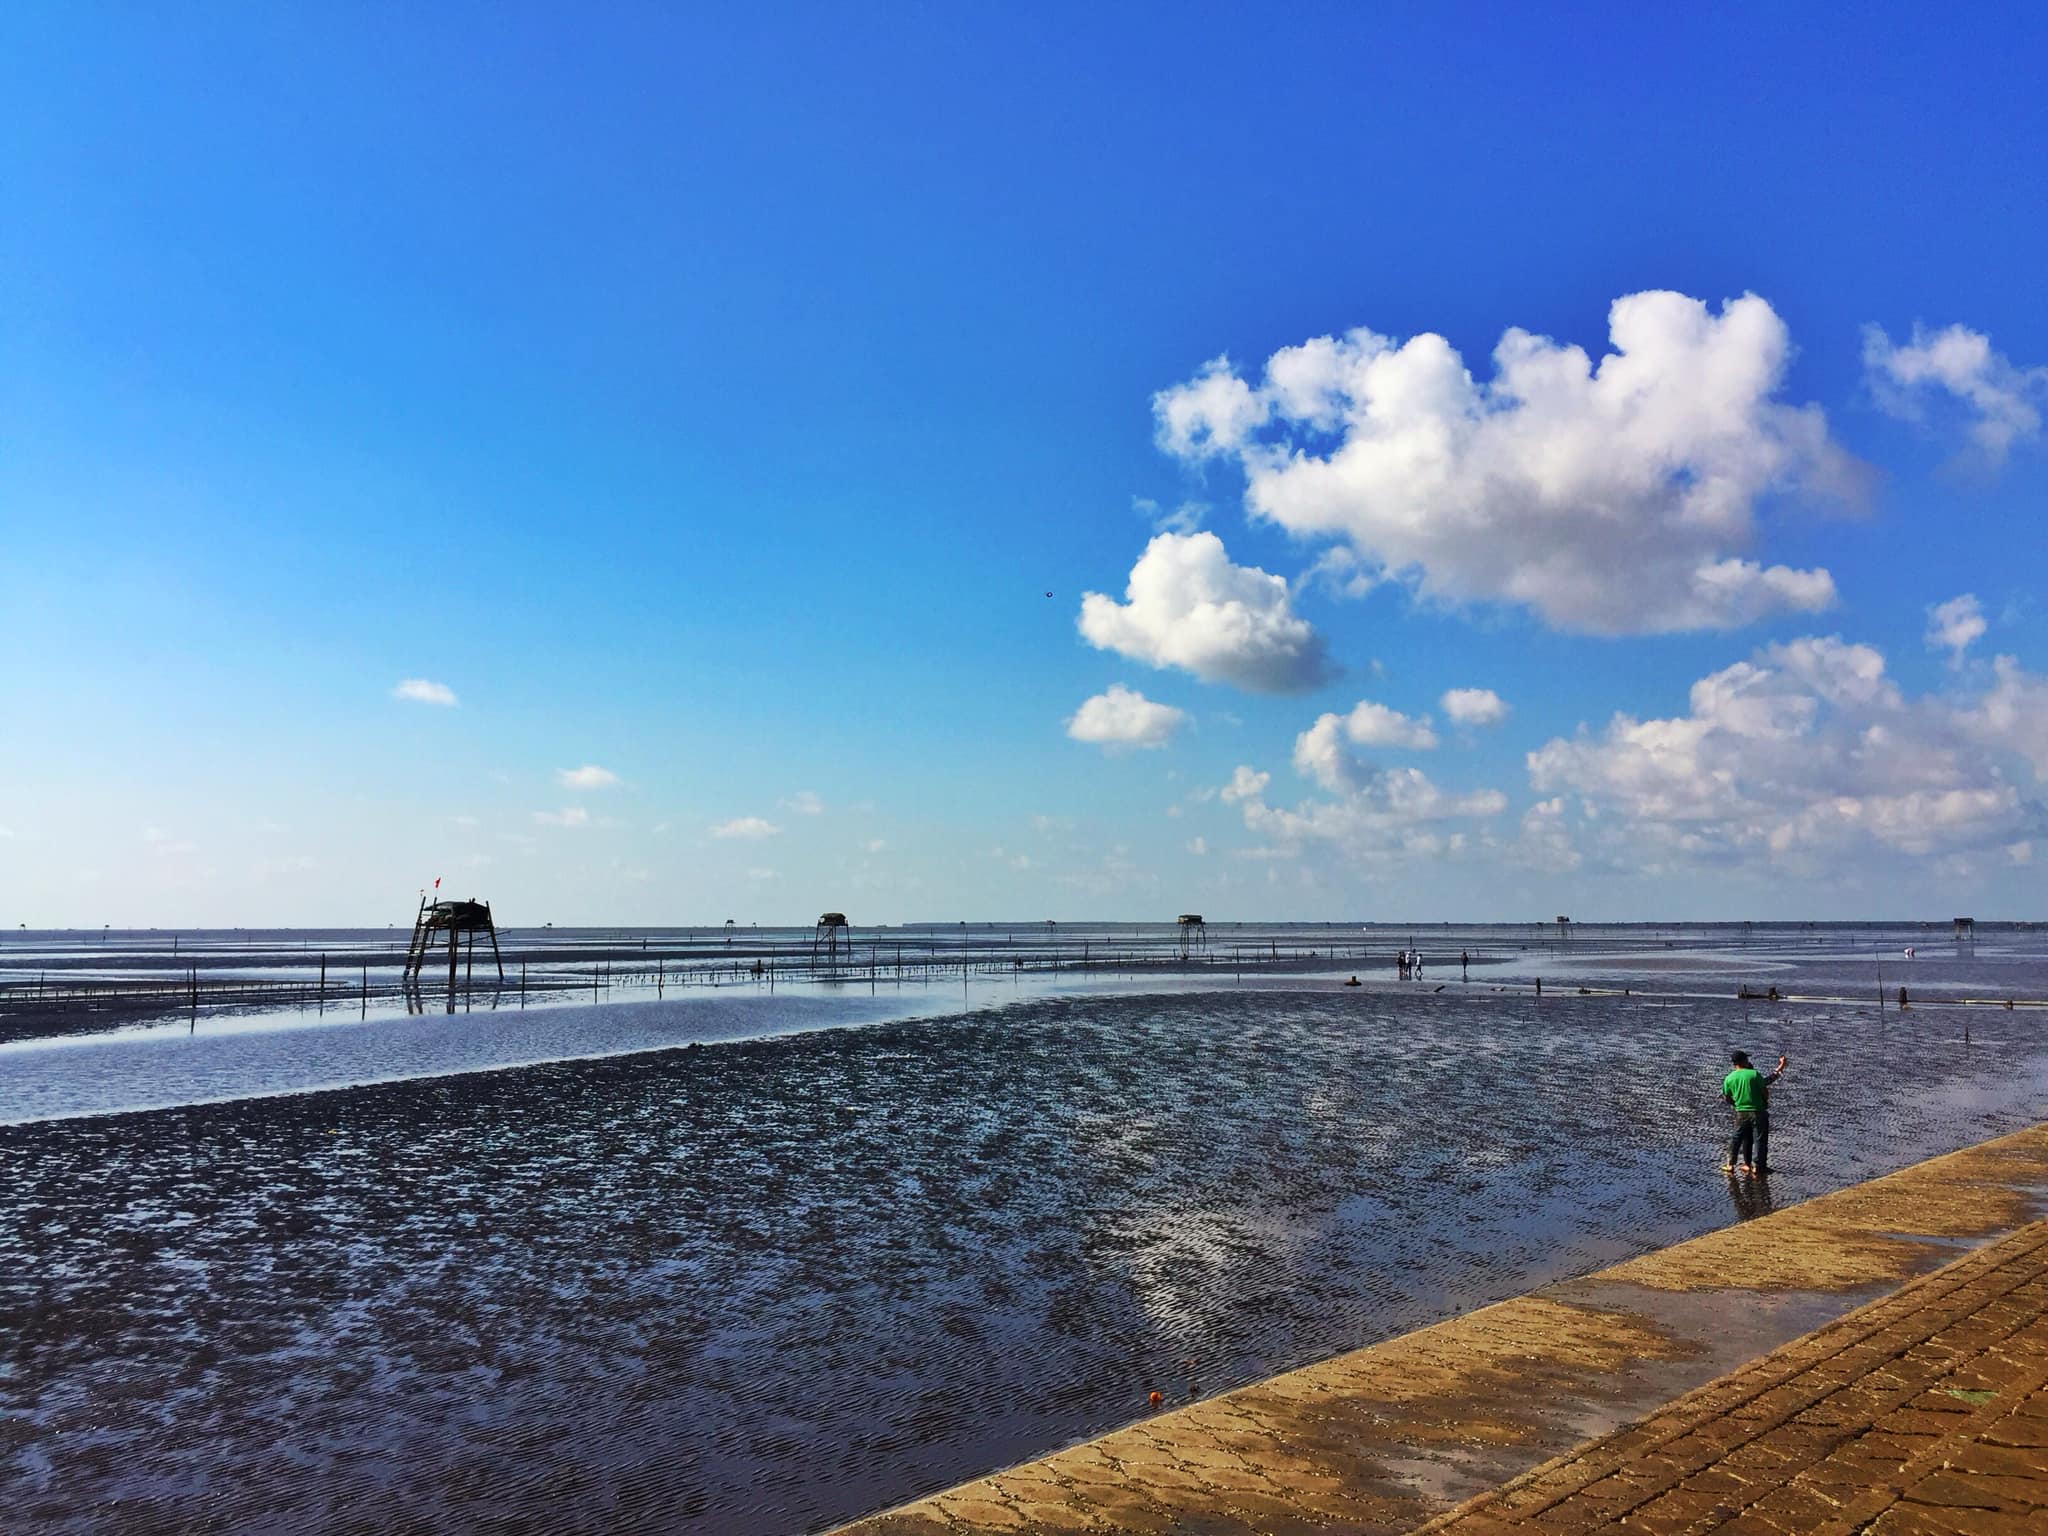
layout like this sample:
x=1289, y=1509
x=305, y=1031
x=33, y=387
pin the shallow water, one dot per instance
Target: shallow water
x=770, y=1284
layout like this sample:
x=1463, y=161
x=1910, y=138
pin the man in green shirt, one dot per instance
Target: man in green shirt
x=1748, y=1092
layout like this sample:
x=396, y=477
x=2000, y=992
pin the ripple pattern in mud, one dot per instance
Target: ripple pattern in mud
x=765, y=1286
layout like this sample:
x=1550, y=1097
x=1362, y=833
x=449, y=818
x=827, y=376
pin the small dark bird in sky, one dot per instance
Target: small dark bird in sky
x=1048, y=594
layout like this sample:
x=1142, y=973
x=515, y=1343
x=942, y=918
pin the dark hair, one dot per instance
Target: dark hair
x=1740, y=1058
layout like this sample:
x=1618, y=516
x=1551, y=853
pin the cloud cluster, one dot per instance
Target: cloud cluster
x=1473, y=706
x=1803, y=755
x=418, y=690
x=1380, y=812
x=589, y=776
x=1609, y=498
x=1122, y=718
x=2003, y=402
x=1187, y=606
x=1323, y=751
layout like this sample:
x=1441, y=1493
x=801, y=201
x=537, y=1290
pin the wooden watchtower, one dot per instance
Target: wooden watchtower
x=1194, y=933
x=461, y=921
x=833, y=932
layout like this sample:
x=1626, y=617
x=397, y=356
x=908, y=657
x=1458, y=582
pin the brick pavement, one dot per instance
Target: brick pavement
x=1924, y=1413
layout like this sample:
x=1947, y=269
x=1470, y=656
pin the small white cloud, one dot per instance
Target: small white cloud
x=1339, y=570
x=1474, y=706
x=1188, y=517
x=164, y=844
x=1198, y=846
x=1186, y=605
x=568, y=816
x=589, y=776
x=875, y=845
x=1375, y=725
x=1123, y=718
x=805, y=803
x=1214, y=412
x=745, y=827
x=464, y=821
x=2003, y=401
x=1245, y=784
x=420, y=691
x=1323, y=751
x=1955, y=625
x=758, y=873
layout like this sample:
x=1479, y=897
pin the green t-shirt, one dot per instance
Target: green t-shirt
x=1744, y=1088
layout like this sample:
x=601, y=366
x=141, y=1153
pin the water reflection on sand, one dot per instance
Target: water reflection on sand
x=770, y=1283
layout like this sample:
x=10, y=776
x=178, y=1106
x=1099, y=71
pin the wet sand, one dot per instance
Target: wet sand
x=768, y=1285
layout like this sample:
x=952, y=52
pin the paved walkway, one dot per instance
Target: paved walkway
x=1925, y=1412
x=1882, y=1414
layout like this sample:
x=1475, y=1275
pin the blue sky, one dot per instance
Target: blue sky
x=713, y=399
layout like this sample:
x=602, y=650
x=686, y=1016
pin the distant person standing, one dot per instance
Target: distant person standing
x=1747, y=1092
x=1464, y=965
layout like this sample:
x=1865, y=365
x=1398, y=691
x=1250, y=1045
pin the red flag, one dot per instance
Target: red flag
x=437, y=882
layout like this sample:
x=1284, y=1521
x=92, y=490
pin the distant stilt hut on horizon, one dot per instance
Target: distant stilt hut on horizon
x=1194, y=933
x=832, y=933
x=1966, y=930
x=462, y=921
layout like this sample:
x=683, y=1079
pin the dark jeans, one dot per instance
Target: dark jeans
x=1744, y=1139
x=1763, y=1140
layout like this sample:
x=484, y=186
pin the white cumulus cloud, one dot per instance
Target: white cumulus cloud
x=1188, y=606
x=1123, y=718
x=1803, y=755
x=2002, y=401
x=589, y=776
x=569, y=816
x=1473, y=706
x=1323, y=751
x=420, y=691
x=1956, y=625
x=805, y=802
x=1615, y=497
x=745, y=827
